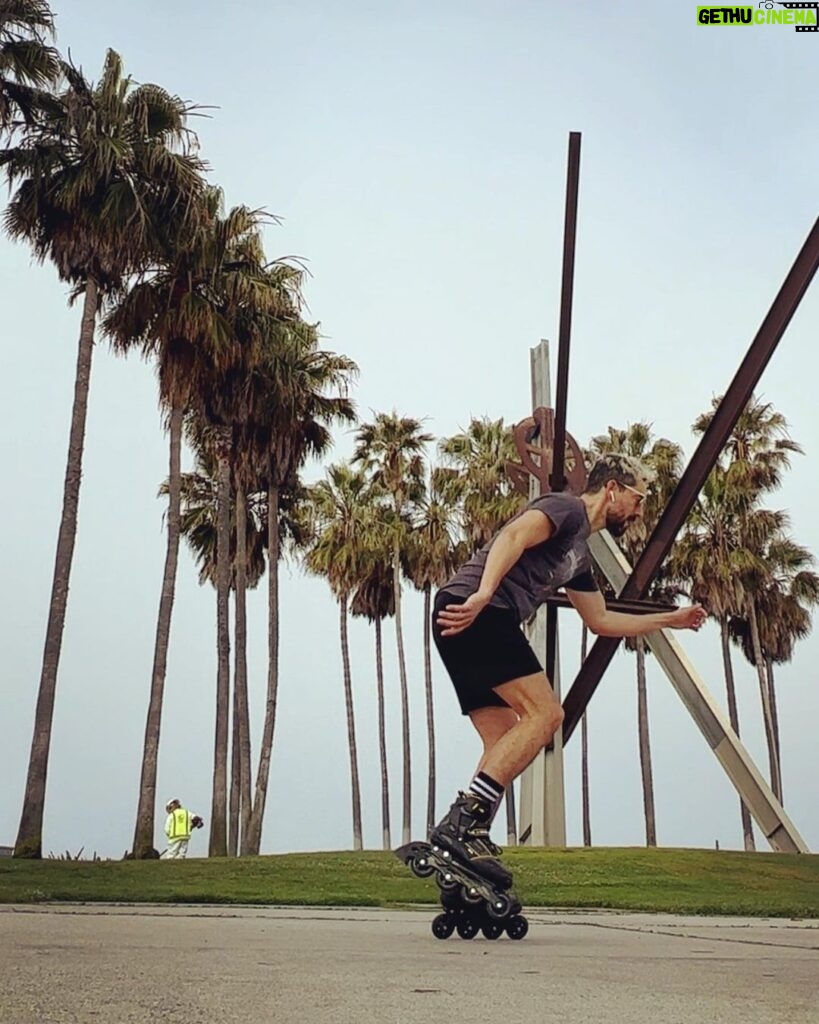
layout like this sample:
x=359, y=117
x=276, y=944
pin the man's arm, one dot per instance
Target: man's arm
x=593, y=611
x=529, y=529
x=526, y=531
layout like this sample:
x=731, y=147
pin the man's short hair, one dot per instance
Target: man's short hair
x=622, y=469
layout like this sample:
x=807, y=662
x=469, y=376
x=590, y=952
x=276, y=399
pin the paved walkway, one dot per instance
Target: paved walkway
x=254, y=965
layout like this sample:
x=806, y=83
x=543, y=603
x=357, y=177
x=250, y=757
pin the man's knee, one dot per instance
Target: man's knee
x=534, y=701
x=548, y=717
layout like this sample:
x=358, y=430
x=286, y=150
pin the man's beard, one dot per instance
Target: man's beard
x=615, y=525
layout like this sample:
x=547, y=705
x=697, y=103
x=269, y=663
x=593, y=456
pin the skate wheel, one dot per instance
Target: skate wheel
x=443, y=926
x=517, y=927
x=470, y=894
x=492, y=929
x=421, y=867
x=467, y=927
x=499, y=906
x=448, y=883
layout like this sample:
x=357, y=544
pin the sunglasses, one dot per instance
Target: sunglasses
x=640, y=494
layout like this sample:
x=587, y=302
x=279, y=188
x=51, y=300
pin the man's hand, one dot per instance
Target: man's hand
x=688, y=618
x=455, y=618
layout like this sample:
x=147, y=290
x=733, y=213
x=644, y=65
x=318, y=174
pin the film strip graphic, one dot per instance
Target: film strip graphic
x=804, y=7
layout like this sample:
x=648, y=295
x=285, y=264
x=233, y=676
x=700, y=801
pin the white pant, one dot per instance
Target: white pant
x=177, y=849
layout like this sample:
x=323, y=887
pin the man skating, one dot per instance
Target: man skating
x=498, y=679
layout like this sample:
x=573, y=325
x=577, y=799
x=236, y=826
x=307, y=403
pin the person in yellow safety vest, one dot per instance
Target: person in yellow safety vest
x=178, y=826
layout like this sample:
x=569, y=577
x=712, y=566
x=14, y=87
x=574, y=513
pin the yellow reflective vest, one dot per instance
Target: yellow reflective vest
x=178, y=825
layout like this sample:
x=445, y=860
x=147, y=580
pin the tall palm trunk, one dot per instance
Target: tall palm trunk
x=584, y=751
x=733, y=717
x=240, y=672
x=348, y=700
x=234, y=800
x=382, y=739
x=251, y=844
x=765, y=697
x=239, y=810
x=406, y=816
x=645, y=746
x=430, y=711
x=218, y=825
x=30, y=833
x=146, y=808
x=769, y=674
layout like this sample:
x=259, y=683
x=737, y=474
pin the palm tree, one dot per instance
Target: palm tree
x=391, y=449
x=755, y=456
x=199, y=527
x=434, y=552
x=374, y=599
x=779, y=616
x=340, y=513
x=475, y=461
x=757, y=529
x=759, y=448
x=710, y=563
x=29, y=66
x=94, y=180
x=189, y=315
x=296, y=392
x=199, y=514
x=239, y=801
x=663, y=462
x=254, y=297
x=784, y=617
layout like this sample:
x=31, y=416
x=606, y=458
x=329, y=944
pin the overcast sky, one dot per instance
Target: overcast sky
x=416, y=154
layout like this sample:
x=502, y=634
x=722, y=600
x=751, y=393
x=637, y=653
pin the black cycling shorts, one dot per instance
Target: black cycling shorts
x=492, y=651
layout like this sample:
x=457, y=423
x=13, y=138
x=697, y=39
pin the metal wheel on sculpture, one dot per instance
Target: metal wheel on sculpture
x=492, y=929
x=517, y=927
x=467, y=927
x=443, y=926
x=499, y=906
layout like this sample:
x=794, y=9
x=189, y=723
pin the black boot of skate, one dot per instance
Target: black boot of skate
x=464, y=832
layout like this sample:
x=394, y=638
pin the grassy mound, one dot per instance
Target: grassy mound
x=673, y=881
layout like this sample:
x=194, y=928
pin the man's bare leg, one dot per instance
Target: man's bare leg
x=540, y=715
x=491, y=723
x=509, y=746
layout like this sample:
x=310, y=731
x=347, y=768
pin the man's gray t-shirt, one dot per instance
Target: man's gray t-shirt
x=540, y=570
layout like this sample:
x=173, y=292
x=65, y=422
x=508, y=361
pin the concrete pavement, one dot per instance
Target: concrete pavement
x=140, y=965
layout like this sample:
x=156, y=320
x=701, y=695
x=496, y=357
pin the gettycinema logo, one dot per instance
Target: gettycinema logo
x=803, y=16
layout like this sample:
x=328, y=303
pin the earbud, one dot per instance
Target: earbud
x=611, y=495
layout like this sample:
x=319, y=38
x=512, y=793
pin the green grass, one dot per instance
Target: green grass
x=673, y=881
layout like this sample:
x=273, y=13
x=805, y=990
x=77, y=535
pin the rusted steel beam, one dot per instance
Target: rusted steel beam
x=558, y=482
x=696, y=473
